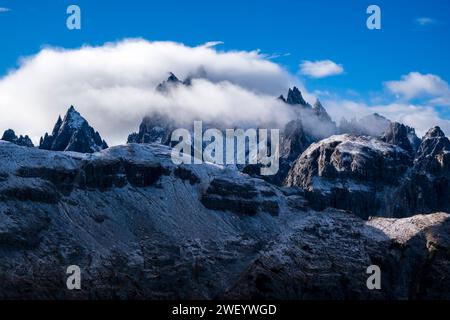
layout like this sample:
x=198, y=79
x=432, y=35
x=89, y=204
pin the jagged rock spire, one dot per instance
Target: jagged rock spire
x=295, y=97
x=321, y=112
x=73, y=134
x=171, y=82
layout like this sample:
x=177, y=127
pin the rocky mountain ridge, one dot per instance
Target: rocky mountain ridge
x=141, y=227
x=10, y=136
x=370, y=177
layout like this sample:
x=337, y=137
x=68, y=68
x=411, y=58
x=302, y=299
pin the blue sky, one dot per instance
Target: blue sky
x=295, y=30
x=307, y=30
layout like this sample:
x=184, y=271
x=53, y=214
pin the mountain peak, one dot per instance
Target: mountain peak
x=321, y=112
x=399, y=134
x=318, y=105
x=73, y=118
x=433, y=143
x=295, y=97
x=73, y=134
x=282, y=98
x=171, y=81
x=172, y=78
x=435, y=132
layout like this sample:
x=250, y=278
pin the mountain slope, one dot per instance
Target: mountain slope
x=141, y=227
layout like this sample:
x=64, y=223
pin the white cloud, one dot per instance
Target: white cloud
x=211, y=44
x=425, y=21
x=320, y=69
x=420, y=117
x=113, y=86
x=4, y=10
x=417, y=85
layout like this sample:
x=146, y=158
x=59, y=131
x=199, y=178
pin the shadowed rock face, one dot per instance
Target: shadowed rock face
x=140, y=227
x=296, y=267
x=73, y=134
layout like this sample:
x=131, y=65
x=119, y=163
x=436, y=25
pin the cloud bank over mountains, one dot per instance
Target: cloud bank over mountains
x=113, y=86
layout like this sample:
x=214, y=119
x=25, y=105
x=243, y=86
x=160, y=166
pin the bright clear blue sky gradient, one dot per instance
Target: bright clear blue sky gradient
x=306, y=30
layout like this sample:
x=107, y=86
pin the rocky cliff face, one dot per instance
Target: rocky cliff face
x=402, y=136
x=321, y=254
x=354, y=173
x=10, y=136
x=140, y=227
x=371, y=177
x=432, y=152
x=73, y=134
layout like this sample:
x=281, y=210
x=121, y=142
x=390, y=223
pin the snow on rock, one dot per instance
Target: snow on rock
x=140, y=227
x=370, y=177
x=320, y=259
x=73, y=134
x=355, y=173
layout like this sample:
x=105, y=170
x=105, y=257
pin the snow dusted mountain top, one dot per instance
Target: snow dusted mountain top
x=73, y=134
x=352, y=144
x=73, y=119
